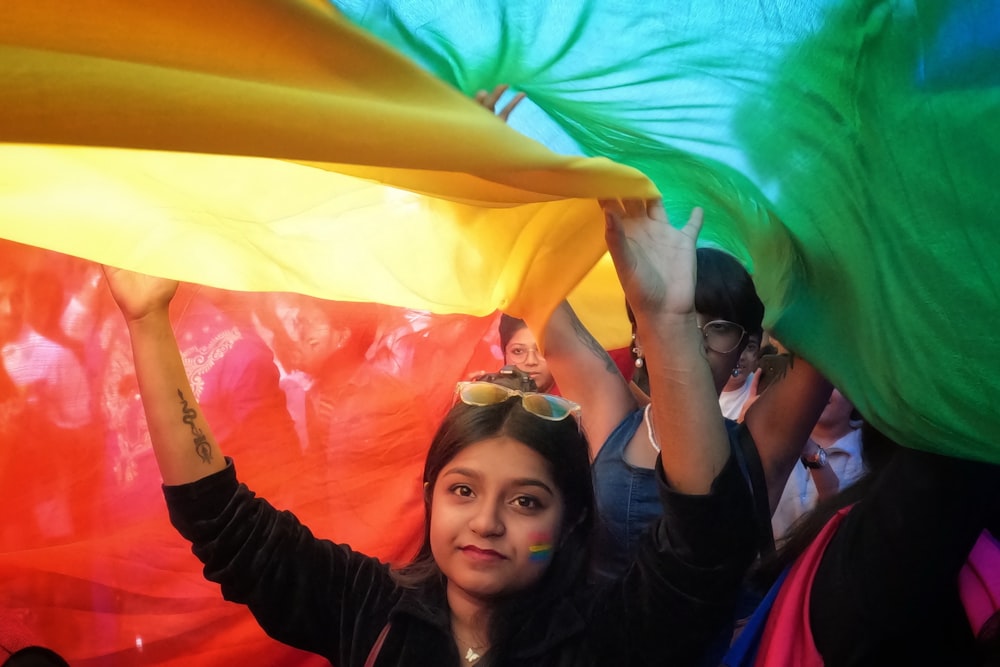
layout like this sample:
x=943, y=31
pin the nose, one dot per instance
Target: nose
x=486, y=521
x=532, y=358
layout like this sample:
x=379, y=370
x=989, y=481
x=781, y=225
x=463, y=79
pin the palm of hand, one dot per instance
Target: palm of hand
x=655, y=261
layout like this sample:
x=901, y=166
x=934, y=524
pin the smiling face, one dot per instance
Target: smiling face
x=494, y=520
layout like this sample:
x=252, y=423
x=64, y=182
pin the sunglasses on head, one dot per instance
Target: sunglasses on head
x=546, y=406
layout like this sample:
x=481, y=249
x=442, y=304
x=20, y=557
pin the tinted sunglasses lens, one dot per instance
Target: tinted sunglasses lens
x=552, y=408
x=483, y=393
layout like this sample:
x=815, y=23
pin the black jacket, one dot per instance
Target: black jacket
x=323, y=597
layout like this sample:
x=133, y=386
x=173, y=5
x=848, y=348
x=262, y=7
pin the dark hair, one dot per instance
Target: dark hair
x=507, y=328
x=725, y=289
x=35, y=656
x=565, y=450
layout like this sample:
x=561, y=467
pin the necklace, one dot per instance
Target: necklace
x=473, y=653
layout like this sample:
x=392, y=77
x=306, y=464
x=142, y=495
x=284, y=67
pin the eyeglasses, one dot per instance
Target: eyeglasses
x=546, y=406
x=519, y=353
x=722, y=336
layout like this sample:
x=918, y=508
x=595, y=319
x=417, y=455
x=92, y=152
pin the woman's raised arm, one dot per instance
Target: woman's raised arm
x=183, y=443
x=656, y=264
x=587, y=375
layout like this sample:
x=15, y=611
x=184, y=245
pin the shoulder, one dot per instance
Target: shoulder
x=849, y=444
x=622, y=434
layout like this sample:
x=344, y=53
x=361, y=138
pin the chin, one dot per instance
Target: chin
x=483, y=590
x=489, y=589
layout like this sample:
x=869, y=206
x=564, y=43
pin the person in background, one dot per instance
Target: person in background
x=831, y=460
x=737, y=390
x=48, y=375
x=883, y=573
x=520, y=349
x=44, y=401
x=616, y=423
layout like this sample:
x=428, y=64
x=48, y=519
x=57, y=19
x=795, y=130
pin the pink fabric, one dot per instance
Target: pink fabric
x=979, y=581
x=377, y=648
x=788, y=638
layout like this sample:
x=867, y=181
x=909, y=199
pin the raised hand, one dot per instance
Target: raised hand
x=138, y=294
x=656, y=262
x=489, y=100
x=182, y=440
x=657, y=267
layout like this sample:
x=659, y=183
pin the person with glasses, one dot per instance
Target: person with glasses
x=502, y=576
x=728, y=315
x=520, y=349
x=832, y=460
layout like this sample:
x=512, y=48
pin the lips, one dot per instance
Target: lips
x=482, y=555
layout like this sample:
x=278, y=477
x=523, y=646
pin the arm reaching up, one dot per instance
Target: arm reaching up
x=183, y=443
x=656, y=264
x=587, y=374
x=781, y=419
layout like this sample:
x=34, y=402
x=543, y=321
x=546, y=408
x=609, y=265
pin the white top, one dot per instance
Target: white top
x=49, y=377
x=800, y=494
x=732, y=402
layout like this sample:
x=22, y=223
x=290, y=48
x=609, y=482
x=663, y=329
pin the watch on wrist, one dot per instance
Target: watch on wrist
x=817, y=460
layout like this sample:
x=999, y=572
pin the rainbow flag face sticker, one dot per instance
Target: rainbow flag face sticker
x=541, y=549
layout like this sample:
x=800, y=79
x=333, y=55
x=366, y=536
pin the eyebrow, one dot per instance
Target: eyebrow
x=524, y=481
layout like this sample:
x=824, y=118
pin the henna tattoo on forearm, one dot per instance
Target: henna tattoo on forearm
x=201, y=445
x=591, y=343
